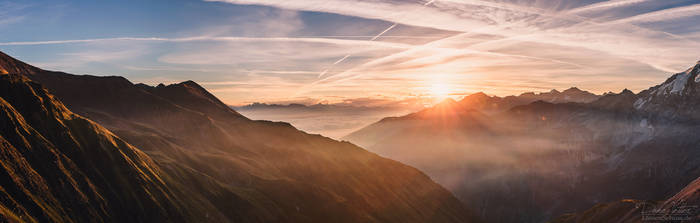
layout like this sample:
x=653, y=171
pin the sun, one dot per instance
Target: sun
x=439, y=90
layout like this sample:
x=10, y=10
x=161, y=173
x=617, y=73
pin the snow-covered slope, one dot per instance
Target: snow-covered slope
x=675, y=98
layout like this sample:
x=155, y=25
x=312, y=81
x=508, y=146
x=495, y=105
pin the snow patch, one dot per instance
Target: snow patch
x=679, y=82
x=639, y=103
x=675, y=86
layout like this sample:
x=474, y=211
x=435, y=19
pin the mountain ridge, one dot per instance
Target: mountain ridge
x=77, y=163
x=10, y=65
x=277, y=172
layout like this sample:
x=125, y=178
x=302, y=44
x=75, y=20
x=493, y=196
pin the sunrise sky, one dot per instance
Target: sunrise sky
x=360, y=50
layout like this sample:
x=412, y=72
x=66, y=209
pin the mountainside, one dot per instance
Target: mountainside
x=538, y=160
x=276, y=172
x=9, y=65
x=676, y=98
x=682, y=207
x=60, y=167
x=670, y=150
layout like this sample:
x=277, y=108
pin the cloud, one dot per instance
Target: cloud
x=496, y=46
x=209, y=38
x=663, y=15
x=284, y=52
x=523, y=24
x=605, y=5
x=101, y=54
x=12, y=12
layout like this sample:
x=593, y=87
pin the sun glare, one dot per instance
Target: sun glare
x=439, y=90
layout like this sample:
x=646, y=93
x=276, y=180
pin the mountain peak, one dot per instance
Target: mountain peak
x=193, y=96
x=194, y=87
x=190, y=83
x=678, y=83
x=10, y=65
x=527, y=94
x=674, y=97
x=478, y=95
x=572, y=89
x=626, y=91
x=447, y=101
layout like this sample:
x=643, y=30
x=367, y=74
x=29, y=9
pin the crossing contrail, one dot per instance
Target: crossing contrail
x=324, y=72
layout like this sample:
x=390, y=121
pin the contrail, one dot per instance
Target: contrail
x=373, y=39
x=382, y=33
x=341, y=59
x=322, y=73
x=336, y=62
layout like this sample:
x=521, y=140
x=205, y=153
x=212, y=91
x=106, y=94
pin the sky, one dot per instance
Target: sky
x=330, y=51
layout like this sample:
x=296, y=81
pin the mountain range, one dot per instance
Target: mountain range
x=81, y=148
x=493, y=104
x=314, y=107
x=535, y=160
x=340, y=119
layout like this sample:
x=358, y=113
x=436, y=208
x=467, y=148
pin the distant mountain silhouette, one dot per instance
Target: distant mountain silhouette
x=200, y=160
x=333, y=120
x=258, y=105
x=490, y=104
x=319, y=107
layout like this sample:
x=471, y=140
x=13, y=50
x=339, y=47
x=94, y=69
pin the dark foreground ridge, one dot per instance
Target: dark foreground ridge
x=177, y=154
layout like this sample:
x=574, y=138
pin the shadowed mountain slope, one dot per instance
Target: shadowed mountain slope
x=60, y=167
x=280, y=173
x=682, y=207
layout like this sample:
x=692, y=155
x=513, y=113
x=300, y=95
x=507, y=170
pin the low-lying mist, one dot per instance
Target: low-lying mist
x=529, y=163
x=334, y=121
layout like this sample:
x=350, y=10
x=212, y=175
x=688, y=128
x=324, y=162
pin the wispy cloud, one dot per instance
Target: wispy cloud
x=520, y=25
x=664, y=15
x=212, y=38
x=398, y=47
x=605, y=5
x=11, y=12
